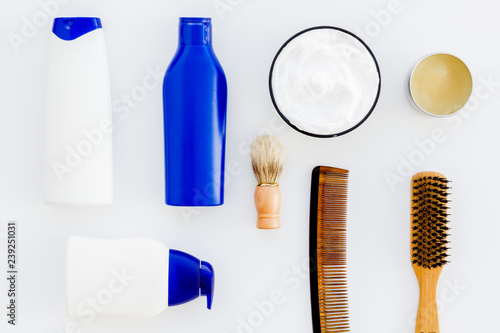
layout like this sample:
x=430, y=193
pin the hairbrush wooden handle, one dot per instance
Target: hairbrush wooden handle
x=427, y=317
x=268, y=202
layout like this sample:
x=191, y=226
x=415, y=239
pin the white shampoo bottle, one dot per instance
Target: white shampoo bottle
x=138, y=277
x=78, y=157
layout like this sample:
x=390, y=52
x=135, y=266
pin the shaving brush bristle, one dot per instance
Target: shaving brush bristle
x=268, y=155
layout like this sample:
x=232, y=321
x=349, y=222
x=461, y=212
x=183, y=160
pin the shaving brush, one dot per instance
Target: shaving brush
x=267, y=155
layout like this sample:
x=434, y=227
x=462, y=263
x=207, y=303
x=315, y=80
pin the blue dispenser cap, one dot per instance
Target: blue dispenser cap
x=70, y=28
x=207, y=282
x=186, y=277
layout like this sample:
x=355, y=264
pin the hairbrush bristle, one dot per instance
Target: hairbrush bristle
x=267, y=154
x=429, y=220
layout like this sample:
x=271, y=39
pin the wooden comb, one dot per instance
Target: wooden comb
x=327, y=247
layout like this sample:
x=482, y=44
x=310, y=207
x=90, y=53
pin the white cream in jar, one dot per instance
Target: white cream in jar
x=324, y=81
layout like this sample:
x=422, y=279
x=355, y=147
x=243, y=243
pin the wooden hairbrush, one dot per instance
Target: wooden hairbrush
x=327, y=248
x=429, y=242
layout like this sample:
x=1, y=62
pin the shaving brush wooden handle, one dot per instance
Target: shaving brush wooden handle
x=267, y=154
x=268, y=203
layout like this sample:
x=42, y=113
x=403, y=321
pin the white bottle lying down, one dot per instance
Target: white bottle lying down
x=131, y=277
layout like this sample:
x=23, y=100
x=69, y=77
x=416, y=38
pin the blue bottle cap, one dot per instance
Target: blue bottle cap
x=70, y=28
x=195, y=31
x=187, y=276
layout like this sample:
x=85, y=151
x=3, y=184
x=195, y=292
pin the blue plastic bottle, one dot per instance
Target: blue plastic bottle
x=194, y=105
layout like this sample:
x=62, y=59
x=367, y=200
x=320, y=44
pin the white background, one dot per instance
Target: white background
x=250, y=264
